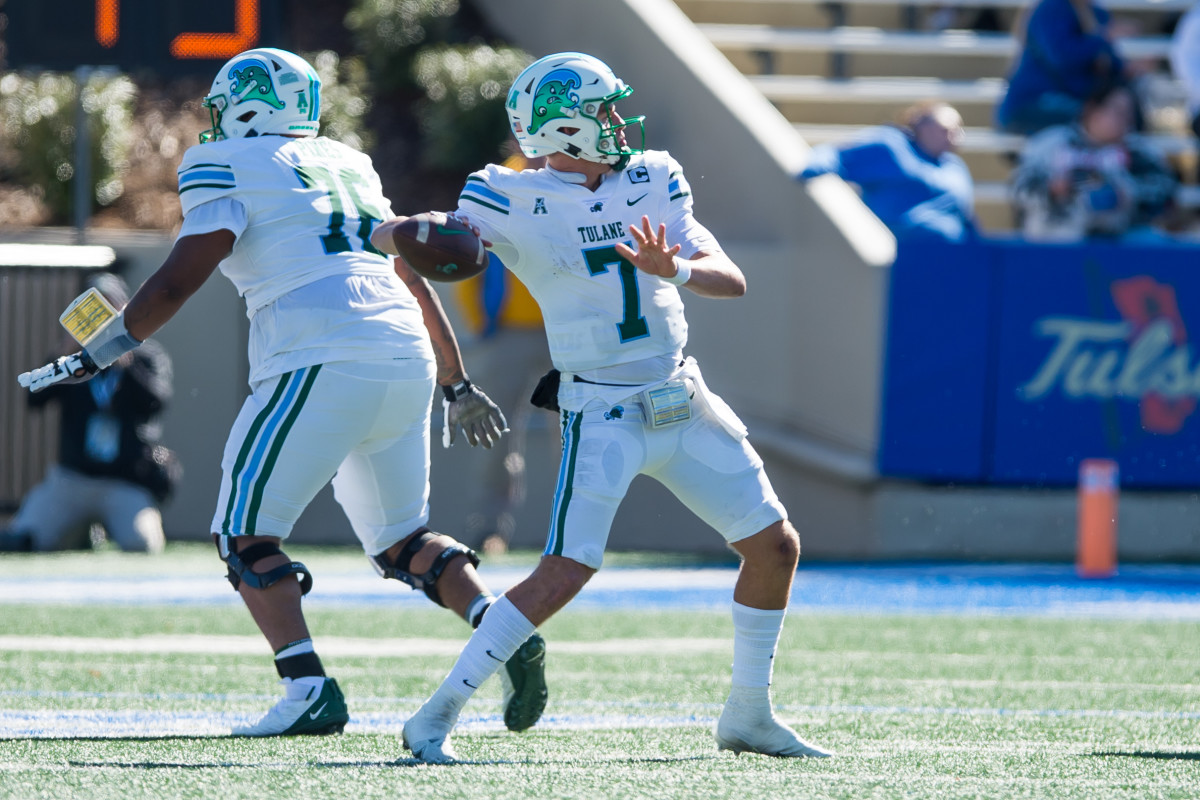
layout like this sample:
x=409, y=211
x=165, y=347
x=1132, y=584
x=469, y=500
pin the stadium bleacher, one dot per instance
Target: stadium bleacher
x=833, y=67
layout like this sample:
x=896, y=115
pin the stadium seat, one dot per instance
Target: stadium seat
x=830, y=78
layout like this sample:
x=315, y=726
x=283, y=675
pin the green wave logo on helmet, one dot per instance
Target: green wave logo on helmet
x=554, y=96
x=251, y=81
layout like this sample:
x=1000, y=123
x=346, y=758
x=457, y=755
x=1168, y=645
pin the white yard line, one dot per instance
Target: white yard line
x=161, y=644
x=41, y=723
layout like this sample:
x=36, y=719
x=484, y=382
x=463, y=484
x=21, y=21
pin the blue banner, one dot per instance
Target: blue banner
x=1043, y=356
x=936, y=375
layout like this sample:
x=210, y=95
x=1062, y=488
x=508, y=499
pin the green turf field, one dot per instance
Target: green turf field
x=914, y=706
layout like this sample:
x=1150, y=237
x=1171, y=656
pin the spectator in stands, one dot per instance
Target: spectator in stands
x=1092, y=178
x=1185, y=62
x=1067, y=53
x=909, y=174
x=111, y=468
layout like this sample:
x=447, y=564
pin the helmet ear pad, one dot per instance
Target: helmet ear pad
x=261, y=91
x=561, y=104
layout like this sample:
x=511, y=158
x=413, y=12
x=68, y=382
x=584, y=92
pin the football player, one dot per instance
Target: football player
x=347, y=347
x=604, y=238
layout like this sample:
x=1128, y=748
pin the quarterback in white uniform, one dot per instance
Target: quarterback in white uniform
x=603, y=237
x=347, y=347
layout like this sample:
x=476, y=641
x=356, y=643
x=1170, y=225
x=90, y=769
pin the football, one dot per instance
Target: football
x=439, y=247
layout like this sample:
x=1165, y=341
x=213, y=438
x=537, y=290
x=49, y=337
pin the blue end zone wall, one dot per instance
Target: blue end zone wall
x=1008, y=363
x=936, y=369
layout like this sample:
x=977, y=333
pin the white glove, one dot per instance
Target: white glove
x=467, y=407
x=74, y=368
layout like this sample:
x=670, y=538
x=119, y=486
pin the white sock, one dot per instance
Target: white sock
x=755, y=637
x=298, y=647
x=498, y=636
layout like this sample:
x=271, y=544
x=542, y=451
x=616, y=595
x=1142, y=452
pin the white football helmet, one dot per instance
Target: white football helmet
x=563, y=103
x=263, y=91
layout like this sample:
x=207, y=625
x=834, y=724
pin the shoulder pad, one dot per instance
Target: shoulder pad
x=485, y=188
x=205, y=174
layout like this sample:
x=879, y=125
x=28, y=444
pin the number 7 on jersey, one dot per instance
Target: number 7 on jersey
x=633, y=324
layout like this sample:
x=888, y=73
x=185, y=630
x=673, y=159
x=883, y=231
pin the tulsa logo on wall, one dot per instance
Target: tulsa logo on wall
x=1143, y=358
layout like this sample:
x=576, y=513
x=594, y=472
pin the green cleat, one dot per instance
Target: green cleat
x=524, y=681
x=309, y=709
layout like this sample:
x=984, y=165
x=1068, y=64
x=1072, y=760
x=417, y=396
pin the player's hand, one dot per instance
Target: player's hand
x=653, y=254
x=481, y=420
x=465, y=220
x=74, y=368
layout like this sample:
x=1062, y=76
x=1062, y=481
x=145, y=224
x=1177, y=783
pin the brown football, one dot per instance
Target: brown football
x=439, y=247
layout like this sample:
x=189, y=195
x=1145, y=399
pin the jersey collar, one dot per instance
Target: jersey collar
x=577, y=178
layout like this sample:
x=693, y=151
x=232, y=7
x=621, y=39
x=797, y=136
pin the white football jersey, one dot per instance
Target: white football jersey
x=316, y=290
x=558, y=237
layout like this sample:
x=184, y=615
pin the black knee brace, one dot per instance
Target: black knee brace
x=240, y=564
x=426, y=582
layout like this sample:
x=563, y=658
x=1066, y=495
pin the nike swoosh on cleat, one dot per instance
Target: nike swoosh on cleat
x=490, y=655
x=317, y=713
x=635, y=201
x=468, y=683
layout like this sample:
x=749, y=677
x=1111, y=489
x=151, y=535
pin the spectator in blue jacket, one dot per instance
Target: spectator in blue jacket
x=909, y=175
x=1067, y=54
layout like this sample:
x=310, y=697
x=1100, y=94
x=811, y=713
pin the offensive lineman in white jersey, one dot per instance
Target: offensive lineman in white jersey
x=630, y=401
x=344, y=361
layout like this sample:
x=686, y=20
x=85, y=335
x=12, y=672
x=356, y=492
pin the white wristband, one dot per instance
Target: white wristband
x=112, y=342
x=683, y=274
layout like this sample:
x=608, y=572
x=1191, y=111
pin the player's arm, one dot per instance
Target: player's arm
x=191, y=261
x=450, y=368
x=709, y=273
x=464, y=404
x=185, y=270
x=713, y=274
